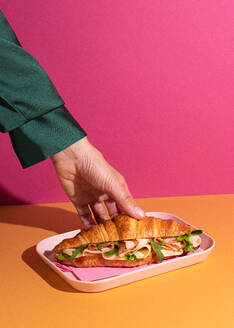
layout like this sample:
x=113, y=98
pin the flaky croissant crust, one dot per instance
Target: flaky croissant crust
x=123, y=227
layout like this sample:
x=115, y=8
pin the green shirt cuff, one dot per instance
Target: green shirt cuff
x=45, y=136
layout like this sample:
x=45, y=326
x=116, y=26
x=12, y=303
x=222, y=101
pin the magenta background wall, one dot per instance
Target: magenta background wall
x=150, y=81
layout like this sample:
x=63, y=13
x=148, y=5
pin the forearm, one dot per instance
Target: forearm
x=26, y=91
x=30, y=106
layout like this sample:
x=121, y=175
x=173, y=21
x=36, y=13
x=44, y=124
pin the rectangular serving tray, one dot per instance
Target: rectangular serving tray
x=154, y=269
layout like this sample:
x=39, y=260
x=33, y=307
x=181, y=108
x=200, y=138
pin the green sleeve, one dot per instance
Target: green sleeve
x=44, y=136
x=31, y=109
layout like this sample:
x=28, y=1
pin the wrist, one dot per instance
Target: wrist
x=72, y=152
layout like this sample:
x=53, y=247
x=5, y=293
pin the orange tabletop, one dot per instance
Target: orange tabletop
x=33, y=295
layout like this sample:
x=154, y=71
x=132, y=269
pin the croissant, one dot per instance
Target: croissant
x=123, y=227
x=129, y=237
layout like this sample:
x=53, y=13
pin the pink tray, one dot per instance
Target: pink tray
x=100, y=285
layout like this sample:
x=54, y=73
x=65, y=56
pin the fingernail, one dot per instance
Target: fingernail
x=139, y=212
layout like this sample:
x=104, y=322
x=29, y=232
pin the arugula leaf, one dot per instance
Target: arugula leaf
x=183, y=237
x=196, y=232
x=130, y=257
x=113, y=251
x=189, y=246
x=158, y=249
x=187, y=235
x=62, y=257
x=78, y=251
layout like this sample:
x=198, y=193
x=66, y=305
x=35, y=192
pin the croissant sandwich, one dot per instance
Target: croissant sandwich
x=127, y=242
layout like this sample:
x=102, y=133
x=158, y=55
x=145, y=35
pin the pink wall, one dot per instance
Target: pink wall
x=150, y=81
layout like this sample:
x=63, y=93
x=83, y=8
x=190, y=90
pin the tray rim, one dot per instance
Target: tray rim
x=101, y=281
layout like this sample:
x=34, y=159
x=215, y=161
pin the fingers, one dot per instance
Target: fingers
x=128, y=205
x=111, y=207
x=125, y=202
x=104, y=210
x=97, y=212
x=100, y=211
x=117, y=200
x=85, y=215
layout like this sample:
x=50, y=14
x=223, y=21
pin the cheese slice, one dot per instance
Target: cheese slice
x=130, y=246
x=69, y=251
x=143, y=252
x=140, y=254
x=195, y=240
x=167, y=252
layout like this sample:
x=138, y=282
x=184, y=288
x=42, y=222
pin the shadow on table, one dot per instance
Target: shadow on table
x=44, y=217
x=32, y=259
x=48, y=218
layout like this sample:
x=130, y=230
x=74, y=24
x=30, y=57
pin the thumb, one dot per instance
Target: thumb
x=125, y=202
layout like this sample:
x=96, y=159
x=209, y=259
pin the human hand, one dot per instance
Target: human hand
x=87, y=178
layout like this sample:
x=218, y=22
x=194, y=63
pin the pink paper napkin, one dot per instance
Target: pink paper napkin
x=97, y=273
